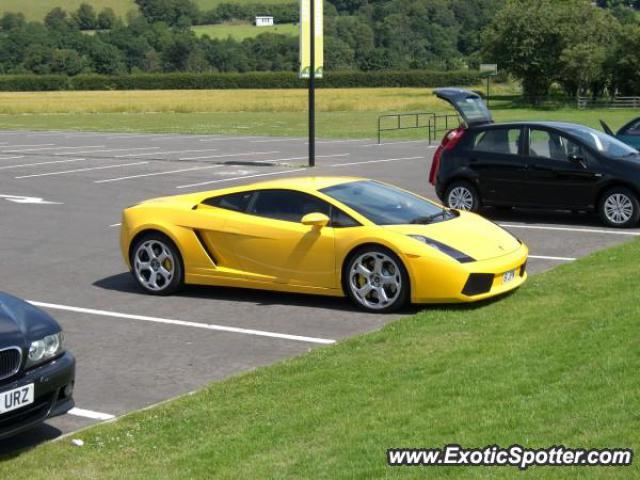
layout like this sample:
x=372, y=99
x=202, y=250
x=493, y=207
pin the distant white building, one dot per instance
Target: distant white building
x=264, y=21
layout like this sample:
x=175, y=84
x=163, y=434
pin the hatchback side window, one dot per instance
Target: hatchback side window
x=287, y=205
x=498, y=140
x=546, y=144
x=633, y=129
x=237, y=202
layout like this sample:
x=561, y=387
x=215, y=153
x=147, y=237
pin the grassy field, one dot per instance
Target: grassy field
x=342, y=113
x=241, y=31
x=37, y=9
x=555, y=363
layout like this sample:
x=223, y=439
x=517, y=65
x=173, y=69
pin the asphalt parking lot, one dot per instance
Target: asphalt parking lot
x=61, y=195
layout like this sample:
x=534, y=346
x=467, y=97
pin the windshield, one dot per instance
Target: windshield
x=602, y=142
x=386, y=205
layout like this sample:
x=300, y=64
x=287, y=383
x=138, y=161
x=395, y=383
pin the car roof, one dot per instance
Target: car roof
x=541, y=123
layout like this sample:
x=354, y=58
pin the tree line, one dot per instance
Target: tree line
x=582, y=47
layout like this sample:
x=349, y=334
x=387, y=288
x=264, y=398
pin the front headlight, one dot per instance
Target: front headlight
x=45, y=349
x=446, y=249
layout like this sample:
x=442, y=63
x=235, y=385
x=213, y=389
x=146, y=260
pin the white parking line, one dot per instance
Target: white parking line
x=206, y=326
x=394, y=143
x=270, y=140
x=82, y=170
x=227, y=139
x=31, y=145
x=109, y=150
x=568, y=229
x=153, y=174
x=165, y=153
x=231, y=155
x=560, y=259
x=11, y=158
x=81, y=412
x=115, y=225
x=375, y=161
x=42, y=163
x=52, y=148
x=241, y=178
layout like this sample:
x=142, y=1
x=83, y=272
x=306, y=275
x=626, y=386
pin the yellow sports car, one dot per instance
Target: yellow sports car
x=380, y=245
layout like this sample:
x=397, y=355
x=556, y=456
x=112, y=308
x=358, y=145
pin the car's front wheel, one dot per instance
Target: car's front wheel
x=462, y=195
x=376, y=280
x=156, y=264
x=619, y=207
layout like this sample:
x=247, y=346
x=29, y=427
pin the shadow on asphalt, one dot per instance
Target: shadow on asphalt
x=125, y=283
x=550, y=217
x=14, y=446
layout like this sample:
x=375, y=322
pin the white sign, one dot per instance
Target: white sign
x=22, y=199
x=489, y=68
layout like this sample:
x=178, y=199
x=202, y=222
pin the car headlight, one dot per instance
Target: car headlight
x=446, y=249
x=45, y=349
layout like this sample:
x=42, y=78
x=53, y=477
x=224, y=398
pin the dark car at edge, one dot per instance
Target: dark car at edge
x=36, y=374
x=549, y=165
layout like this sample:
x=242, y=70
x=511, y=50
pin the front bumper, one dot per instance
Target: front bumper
x=466, y=282
x=53, y=383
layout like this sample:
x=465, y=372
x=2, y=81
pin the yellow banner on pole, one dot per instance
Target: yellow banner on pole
x=305, y=38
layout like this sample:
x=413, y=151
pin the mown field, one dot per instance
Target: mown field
x=242, y=31
x=342, y=113
x=37, y=9
x=555, y=363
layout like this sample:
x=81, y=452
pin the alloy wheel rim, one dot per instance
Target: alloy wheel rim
x=460, y=198
x=618, y=208
x=375, y=280
x=154, y=265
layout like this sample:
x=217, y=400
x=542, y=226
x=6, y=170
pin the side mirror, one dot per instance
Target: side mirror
x=577, y=160
x=315, y=219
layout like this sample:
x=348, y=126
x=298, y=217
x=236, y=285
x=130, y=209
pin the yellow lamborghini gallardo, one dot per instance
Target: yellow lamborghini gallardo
x=380, y=245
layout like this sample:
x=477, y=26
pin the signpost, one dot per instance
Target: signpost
x=488, y=70
x=311, y=60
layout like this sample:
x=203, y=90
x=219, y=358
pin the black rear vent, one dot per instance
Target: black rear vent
x=9, y=362
x=478, y=283
x=204, y=246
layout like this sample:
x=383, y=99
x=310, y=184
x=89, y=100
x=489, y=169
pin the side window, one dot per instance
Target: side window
x=287, y=205
x=234, y=201
x=339, y=219
x=633, y=129
x=546, y=144
x=498, y=140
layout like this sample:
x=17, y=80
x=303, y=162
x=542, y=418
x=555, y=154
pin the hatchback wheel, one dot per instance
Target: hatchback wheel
x=619, y=207
x=461, y=195
x=157, y=265
x=376, y=280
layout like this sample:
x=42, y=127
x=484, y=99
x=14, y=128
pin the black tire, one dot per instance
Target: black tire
x=619, y=207
x=396, y=289
x=143, y=266
x=462, y=195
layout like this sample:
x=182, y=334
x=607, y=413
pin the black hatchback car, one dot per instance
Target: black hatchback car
x=36, y=374
x=549, y=165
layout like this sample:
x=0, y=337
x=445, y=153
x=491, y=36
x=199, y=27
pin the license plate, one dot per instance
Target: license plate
x=16, y=398
x=508, y=276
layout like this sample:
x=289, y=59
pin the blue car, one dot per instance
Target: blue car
x=37, y=375
x=629, y=133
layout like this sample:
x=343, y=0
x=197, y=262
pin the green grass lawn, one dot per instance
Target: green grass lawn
x=241, y=31
x=555, y=363
x=329, y=124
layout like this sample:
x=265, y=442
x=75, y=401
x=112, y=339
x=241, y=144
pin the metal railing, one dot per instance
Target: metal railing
x=434, y=123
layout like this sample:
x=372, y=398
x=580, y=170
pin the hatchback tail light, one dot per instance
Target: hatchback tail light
x=449, y=141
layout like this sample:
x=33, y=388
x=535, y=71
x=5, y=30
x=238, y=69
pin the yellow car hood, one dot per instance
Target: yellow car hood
x=469, y=233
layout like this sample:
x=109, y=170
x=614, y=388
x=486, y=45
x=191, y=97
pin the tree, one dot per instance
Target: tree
x=66, y=61
x=11, y=20
x=527, y=39
x=56, y=19
x=624, y=61
x=106, y=19
x=169, y=11
x=85, y=17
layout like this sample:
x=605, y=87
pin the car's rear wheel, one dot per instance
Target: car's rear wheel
x=376, y=280
x=461, y=195
x=619, y=207
x=157, y=265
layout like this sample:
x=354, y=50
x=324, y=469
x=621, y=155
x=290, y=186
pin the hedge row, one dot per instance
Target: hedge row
x=170, y=81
